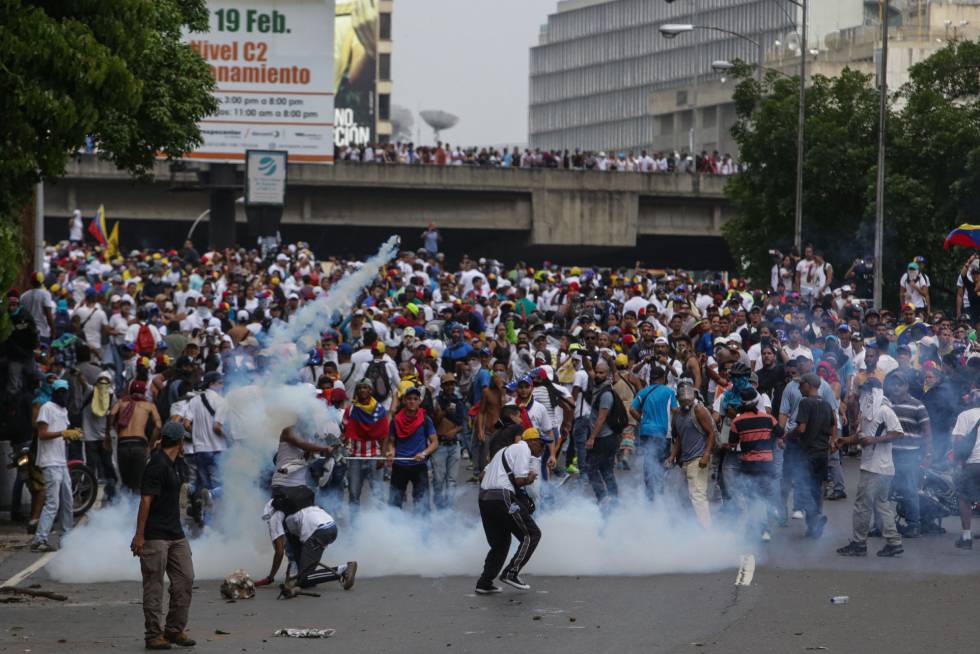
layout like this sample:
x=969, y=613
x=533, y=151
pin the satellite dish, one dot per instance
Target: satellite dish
x=438, y=120
x=402, y=123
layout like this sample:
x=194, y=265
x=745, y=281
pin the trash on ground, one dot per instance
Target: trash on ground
x=238, y=585
x=293, y=632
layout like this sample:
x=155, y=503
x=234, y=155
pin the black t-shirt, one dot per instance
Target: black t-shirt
x=160, y=480
x=818, y=416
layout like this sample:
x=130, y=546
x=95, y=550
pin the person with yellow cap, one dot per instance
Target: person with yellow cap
x=505, y=510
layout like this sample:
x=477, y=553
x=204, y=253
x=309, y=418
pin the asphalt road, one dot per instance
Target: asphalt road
x=921, y=601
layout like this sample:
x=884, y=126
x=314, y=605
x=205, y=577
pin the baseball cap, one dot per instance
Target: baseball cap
x=810, y=379
x=530, y=434
x=59, y=385
x=413, y=390
x=174, y=432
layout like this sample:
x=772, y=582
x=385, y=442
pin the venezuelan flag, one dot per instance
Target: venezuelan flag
x=97, y=227
x=965, y=235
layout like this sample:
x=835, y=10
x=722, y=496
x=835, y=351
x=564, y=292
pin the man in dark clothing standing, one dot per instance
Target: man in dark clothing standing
x=815, y=428
x=161, y=545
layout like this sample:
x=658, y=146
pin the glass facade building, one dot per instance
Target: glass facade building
x=597, y=65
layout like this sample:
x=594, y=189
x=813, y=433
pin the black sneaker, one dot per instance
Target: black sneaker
x=874, y=533
x=890, y=550
x=853, y=549
x=910, y=532
x=964, y=543
x=837, y=495
x=487, y=590
x=514, y=581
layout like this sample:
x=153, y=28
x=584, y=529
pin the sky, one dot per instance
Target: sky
x=470, y=58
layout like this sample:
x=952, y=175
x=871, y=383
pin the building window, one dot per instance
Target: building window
x=384, y=106
x=384, y=66
x=682, y=98
x=384, y=26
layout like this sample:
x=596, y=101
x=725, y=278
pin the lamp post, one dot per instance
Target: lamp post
x=880, y=181
x=672, y=30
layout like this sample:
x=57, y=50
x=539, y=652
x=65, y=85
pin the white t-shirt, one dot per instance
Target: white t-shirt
x=581, y=381
x=92, y=319
x=912, y=294
x=304, y=522
x=202, y=423
x=878, y=457
x=518, y=458
x=812, y=276
x=964, y=423
x=51, y=451
x=274, y=518
x=75, y=229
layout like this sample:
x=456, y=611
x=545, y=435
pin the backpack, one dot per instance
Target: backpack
x=617, y=419
x=144, y=341
x=290, y=499
x=377, y=374
x=170, y=394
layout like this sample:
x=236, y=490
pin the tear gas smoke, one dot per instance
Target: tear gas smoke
x=634, y=539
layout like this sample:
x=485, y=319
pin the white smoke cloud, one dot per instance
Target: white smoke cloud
x=578, y=538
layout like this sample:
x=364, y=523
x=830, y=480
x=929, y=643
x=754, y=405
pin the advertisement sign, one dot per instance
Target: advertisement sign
x=272, y=61
x=354, y=65
x=265, y=177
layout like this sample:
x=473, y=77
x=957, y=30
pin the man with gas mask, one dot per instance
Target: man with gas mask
x=52, y=430
x=693, y=442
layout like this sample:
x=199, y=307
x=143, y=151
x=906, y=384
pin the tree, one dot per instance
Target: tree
x=932, y=164
x=114, y=71
x=841, y=118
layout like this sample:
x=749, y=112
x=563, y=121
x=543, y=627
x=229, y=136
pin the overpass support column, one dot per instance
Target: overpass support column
x=224, y=187
x=587, y=217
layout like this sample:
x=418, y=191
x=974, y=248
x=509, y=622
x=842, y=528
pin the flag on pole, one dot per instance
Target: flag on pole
x=97, y=227
x=113, y=244
x=966, y=235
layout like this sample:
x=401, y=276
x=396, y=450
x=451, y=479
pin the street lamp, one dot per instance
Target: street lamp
x=672, y=30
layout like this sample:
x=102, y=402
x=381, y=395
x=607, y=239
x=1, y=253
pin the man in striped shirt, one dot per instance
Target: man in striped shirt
x=911, y=453
x=756, y=434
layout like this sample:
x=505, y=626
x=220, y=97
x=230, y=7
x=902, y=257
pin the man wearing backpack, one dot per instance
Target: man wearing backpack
x=651, y=407
x=208, y=440
x=142, y=335
x=607, y=420
x=382, y=374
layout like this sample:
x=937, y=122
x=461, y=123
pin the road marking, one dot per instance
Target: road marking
x=745, y=571
x=29, y=570
x=40, y=563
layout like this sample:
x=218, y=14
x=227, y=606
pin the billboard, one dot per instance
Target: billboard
x=355, y=59
x=271, y=60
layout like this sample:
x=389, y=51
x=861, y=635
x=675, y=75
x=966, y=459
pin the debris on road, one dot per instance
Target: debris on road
x=222, y=632
x=238, y=585
x=293, y=632
x=839, y=599
x=33, y=593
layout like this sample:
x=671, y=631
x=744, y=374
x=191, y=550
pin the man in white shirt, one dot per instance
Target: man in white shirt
x=75, y=227
x=878, y=426
x=505, y=511
x=311, y=529
x=968, y=477
x=52, y=429
x=810, y=277
x=208, y=438
x=913, y=288
x=94, y=322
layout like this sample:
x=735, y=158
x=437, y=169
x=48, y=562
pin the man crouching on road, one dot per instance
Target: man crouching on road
x=161, y=545
x=505, y=509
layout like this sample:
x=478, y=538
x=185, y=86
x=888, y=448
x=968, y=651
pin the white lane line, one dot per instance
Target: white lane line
x=745, y=571
x=29, y=570
x=40, y=563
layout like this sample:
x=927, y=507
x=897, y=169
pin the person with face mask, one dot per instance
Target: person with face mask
x=693, y=433
x=756, y=433
x=52, y=430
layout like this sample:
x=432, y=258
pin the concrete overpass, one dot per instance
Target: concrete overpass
x=552, y=207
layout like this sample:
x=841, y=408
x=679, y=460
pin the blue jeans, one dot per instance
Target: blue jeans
x=580, y=433
x=654, y=451
x=205, y=473
x=57, y=501
x=835, y=472
x=445, y=468
x=359, y=472
x=908, y=476
x=794, y=467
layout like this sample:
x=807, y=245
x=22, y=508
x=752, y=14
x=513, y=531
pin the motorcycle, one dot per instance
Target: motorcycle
x=84, y=484
x=937, y=500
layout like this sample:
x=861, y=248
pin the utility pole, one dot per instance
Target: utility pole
x=880, y=187
x=39, y=227
x=798, y=230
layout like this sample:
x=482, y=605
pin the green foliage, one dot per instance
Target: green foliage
x=932, y=166
x=114, y=70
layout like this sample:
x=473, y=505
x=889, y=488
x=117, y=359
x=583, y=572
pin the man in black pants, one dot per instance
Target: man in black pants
x=311, y=530
x=506, y=510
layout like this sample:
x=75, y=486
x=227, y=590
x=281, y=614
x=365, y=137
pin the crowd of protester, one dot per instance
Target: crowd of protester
x=632, y=161
x=754, y=394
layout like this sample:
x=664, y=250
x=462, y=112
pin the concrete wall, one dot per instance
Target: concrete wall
x=554, y=207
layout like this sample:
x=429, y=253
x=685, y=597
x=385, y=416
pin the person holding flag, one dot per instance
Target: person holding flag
x=366, y=435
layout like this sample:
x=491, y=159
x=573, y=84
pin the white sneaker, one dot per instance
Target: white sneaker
x=797, y=515
x=766, y=537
